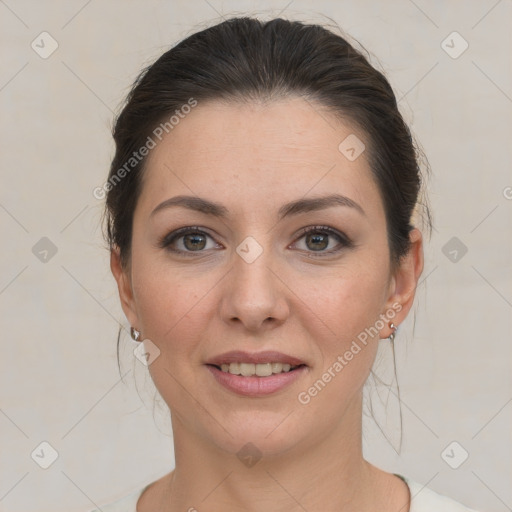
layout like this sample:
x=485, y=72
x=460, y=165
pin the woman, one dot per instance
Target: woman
x=260, y=212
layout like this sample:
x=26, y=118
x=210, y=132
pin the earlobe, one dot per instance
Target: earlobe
x=124, y=286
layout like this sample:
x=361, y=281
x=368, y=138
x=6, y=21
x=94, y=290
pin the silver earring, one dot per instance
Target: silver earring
x=135, y=334
x=392, y=335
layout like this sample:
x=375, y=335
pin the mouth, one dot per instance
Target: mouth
x=256, y=374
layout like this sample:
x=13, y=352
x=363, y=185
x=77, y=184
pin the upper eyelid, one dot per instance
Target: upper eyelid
x=343, y=239
x=176, y=234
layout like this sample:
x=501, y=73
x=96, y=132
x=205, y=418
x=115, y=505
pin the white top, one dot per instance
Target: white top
x=423, y=499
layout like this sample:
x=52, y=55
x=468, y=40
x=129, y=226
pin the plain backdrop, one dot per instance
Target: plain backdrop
x=59, y=380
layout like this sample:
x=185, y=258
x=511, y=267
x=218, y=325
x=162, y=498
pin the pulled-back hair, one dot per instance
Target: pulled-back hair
x=245, y=59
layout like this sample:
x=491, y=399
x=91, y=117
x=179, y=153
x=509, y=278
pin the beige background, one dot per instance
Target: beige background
x=59, y=380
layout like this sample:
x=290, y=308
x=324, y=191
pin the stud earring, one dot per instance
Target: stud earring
x=392, y=335
x=135, y=334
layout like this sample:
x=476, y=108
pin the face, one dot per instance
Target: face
x=245, y=276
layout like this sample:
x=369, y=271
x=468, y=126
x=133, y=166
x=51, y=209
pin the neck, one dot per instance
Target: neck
x=324, y=472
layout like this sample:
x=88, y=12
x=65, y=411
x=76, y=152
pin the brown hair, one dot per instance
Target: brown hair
x=244, y=59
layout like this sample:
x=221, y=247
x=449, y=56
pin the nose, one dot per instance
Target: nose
x=255, y=295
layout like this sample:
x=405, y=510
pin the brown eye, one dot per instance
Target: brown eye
x=322, y=240
x=194, y=242
x=186, y=241
x=317, y=241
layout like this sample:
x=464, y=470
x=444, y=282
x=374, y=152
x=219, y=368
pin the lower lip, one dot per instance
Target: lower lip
x=256, y=386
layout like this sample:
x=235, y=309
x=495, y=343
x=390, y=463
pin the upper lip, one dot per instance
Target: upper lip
x=239, y=356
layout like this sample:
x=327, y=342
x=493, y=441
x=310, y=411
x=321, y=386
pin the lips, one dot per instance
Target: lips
x=239, y=356
x=256, y=386
x=244, y=382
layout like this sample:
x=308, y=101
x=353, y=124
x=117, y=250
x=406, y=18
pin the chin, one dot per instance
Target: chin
x=259, y=434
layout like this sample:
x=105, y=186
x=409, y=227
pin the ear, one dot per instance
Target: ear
x=402, y=287
x=124, y=286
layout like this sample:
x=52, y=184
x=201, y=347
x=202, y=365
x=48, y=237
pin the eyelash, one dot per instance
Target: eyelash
x=343, y=240
x=166, y=241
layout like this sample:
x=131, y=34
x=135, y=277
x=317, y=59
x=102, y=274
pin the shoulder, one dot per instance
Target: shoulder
x=126, y=504
x=424, y=499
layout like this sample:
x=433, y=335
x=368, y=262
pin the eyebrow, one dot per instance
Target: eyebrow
x=293, y=208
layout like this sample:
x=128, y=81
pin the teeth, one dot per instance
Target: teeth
x=260, y=369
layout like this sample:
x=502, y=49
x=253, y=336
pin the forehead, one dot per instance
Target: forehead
x=264, y=153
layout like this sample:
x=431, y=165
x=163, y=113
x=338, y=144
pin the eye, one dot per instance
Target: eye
x=193, y=239
x=319, y=238
x=187, y=240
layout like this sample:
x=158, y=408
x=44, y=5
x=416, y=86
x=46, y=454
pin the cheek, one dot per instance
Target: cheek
x=345, y=307
x=345, y=301
x=348, y=307
x=174, y=315
x=176, y=312
x=165, y=303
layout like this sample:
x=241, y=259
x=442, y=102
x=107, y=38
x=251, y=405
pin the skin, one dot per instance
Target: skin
x=253, y=158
